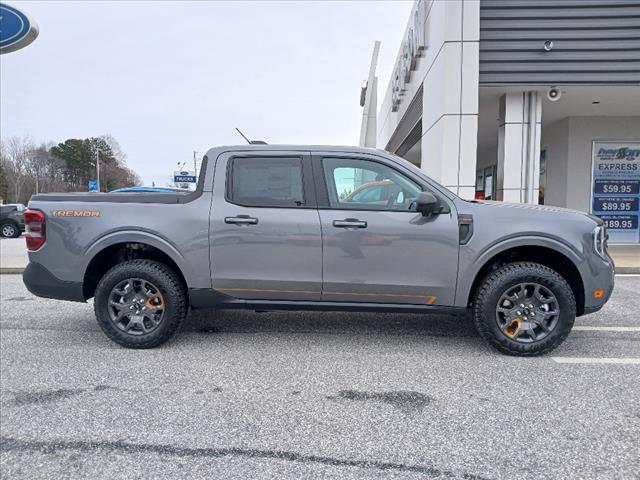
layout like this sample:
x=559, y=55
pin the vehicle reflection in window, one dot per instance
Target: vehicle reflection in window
x=368, y=185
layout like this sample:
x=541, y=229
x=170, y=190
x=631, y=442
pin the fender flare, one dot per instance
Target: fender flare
x=134, y=236
x=467, y=277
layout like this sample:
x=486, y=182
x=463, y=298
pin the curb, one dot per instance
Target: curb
x=11, y=270
x=628, y=270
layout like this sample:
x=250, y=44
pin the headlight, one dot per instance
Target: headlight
x=600, y=237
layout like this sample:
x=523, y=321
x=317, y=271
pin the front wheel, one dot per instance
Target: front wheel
x=140, y=303
x=524, y=309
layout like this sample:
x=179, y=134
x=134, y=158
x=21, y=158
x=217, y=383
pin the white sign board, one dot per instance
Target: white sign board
x=615, y=188
x=184, y=176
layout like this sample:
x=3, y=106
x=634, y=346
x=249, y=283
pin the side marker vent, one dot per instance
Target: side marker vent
x=465, y=227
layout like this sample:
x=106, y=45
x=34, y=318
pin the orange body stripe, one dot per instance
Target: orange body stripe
x=429, y=299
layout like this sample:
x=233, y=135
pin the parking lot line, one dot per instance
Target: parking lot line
x=592, y=360
x=594, y=328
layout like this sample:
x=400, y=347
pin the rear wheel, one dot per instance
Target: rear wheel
x=10, y=230
x=140, y=303
x=524, y=309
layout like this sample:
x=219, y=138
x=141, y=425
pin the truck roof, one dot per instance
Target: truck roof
x=297, y=148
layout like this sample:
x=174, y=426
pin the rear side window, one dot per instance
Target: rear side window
x=266, y=182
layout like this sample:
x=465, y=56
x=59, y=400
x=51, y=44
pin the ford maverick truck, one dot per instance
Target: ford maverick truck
x=317, y=228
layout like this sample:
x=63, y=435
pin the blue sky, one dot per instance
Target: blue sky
x=166, y=78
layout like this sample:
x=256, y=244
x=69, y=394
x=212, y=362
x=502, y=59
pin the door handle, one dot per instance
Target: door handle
x=349, y=223
x=241, y=220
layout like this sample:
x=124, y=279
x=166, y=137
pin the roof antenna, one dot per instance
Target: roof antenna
x=251, y=142
x=238, y=130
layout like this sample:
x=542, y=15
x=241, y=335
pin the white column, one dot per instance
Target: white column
x=518, y=172
x=450, y=96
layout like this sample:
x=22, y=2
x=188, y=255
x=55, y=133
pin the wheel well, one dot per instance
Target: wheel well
x=118, y=253
x=542, y=255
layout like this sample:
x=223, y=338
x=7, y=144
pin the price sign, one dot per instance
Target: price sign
x=616, y=204
x=620, y=222
x=631, y=187
x=616, y=189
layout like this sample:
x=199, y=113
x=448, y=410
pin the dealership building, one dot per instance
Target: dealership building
x=533, y=101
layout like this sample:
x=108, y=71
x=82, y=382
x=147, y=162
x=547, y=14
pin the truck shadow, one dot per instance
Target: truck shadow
x=237, y=321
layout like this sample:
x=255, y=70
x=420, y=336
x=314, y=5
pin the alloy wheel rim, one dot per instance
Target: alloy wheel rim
x=136, y=306
x=8, y=230
x=527, y=312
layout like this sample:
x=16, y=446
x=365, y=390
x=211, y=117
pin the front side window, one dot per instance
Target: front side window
x=266, y=182
x=367, y=185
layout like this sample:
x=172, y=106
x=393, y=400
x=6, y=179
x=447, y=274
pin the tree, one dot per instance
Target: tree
x=114, y=172
x=4, y=182
x=14, y=156
x=80, y=156
x=26, y=169
x=45, y=172
x=79, y=162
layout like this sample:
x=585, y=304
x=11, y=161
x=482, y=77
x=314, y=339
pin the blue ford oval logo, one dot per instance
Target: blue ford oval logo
x=16, y=29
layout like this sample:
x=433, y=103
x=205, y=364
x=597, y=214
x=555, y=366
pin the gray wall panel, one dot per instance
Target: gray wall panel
x=594, y=41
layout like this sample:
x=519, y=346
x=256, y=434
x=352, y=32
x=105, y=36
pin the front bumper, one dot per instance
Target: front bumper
x=601, y=277
x=42, y=283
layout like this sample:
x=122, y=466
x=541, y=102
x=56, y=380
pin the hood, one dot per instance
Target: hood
x=530, y=208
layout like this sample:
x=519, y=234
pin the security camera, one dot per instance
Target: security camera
x=554, y=94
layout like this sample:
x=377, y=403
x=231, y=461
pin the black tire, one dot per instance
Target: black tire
x=9, y=230
x=174, y=298
x=492, y=289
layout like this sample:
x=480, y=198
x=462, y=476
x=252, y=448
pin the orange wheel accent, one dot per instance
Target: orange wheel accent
x=513, y=328
x=154, y=302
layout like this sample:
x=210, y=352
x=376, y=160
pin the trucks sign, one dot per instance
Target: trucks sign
x=184, y=177
x=616, y=189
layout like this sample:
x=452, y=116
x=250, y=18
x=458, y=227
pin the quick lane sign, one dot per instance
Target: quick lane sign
x=413, y=45
x=616, y=189
x=16, y=29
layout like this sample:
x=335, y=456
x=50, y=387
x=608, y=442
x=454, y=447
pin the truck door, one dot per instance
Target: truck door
x=376, y=247
x=265, y=231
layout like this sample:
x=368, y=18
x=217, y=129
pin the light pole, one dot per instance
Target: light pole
x=98, y=167
x=195, y=168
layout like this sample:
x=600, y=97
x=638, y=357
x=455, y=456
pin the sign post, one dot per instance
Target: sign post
x=615, y=192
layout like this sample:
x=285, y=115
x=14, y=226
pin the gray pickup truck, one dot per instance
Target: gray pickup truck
x=317, y=228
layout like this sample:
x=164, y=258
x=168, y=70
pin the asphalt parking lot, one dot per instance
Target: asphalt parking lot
x=314, y=395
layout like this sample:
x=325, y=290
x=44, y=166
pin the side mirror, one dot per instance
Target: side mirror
x=427, y=204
